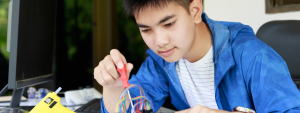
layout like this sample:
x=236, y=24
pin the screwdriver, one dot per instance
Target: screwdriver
x=123, y=73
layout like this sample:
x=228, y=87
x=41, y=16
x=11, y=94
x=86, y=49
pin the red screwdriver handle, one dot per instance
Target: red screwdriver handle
x=123, y=73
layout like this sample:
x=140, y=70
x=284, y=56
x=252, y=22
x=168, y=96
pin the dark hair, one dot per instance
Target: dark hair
x=130, y=6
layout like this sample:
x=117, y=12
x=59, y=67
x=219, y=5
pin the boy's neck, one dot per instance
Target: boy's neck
x=201, y=44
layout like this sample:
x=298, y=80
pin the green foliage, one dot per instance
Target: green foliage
x=3, y=27
x=78, y=14
x=136, y=45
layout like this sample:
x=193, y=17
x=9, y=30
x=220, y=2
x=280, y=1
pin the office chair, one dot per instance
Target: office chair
x=284, y=38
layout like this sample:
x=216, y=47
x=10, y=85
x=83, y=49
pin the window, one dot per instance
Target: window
x=278, y=6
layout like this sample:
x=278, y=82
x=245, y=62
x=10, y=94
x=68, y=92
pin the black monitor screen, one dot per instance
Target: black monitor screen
x=32, y=42
x=35, y=38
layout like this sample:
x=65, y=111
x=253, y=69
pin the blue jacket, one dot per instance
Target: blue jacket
x=248, y=73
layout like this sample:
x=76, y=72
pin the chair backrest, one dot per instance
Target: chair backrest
x=284, y=38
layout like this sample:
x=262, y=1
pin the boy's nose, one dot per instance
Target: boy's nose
x=161, y=40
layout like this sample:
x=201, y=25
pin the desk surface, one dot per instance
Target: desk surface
x=71, y=106
x=33, y=102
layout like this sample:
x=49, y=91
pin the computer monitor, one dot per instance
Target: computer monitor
x=30, y=40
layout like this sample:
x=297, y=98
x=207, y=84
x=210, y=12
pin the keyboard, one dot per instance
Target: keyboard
x=91, y=107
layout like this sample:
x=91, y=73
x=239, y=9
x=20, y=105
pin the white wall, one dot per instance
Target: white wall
x=249, y=12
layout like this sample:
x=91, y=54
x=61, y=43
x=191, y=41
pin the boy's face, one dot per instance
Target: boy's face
x=168, y=31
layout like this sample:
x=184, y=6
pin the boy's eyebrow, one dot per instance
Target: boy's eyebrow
x=141, y=25
x=161, y=21
x=165, y=19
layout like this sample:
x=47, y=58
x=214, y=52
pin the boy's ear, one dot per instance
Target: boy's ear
x=196, y=9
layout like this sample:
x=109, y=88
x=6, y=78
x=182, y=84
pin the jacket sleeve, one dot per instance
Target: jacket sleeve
x=151, y=79
x=269, y=81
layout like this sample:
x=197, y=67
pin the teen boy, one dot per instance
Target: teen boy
x=203, y=65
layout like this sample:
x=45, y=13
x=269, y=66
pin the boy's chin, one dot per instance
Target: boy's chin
x=171, y=59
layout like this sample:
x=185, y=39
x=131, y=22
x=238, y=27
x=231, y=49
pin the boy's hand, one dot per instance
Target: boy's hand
x=202, y=109
x=106, y=74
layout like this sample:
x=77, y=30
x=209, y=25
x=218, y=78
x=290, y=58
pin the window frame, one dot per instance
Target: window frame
x=280, y=9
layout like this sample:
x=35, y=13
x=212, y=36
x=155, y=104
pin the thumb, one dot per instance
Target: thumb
x=129, y=67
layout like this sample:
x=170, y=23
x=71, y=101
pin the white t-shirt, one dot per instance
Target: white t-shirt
x=197, y=80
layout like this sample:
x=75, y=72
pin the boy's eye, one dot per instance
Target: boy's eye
x=169, y=24
x=145, y=30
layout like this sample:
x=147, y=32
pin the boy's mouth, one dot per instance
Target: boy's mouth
x=167, y=53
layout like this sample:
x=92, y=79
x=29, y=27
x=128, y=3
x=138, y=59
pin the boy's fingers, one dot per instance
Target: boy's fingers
x=98, y=76
x=106, y=76
x=129, y=67
x=110, y=67
x=117, y=57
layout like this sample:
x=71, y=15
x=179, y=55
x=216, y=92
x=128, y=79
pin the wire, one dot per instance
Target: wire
x=141, y=101
x=122, y=102
x=130, y=98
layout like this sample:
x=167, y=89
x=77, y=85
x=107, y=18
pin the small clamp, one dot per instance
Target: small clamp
x=123, y=73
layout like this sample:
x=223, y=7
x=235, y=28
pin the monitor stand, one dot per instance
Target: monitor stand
x=15, y=102
x=16, y=97
x=4, y=90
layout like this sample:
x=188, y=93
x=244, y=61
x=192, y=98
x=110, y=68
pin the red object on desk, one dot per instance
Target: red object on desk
x=124, y=77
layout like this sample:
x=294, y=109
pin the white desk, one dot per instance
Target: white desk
x=34, y=102
x=71, y=106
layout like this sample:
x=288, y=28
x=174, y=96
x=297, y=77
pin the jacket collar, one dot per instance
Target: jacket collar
x=222, y=51
x=222, y=56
